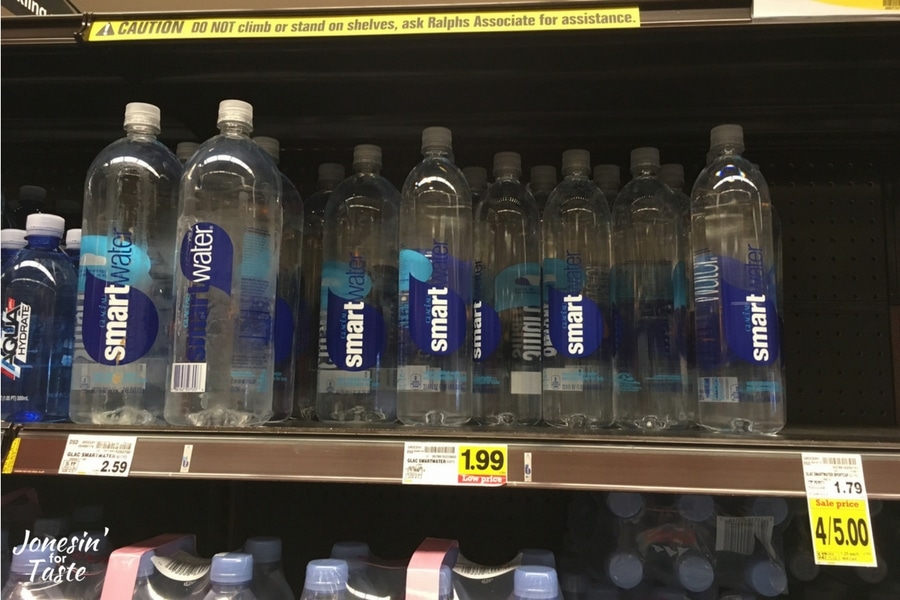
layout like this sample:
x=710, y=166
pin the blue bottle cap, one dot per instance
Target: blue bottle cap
x=625, y=504
x=538, y=556
x=767, y=577
x=25, y=559
x=625, y=570
x=265, y=549
x=326, y=575
x=696, y=507
x=145, y=567
x=775, y=507
x=231, y=567
x=535, y=582
x=445, y=585
x=348, y=550
x=695, y=572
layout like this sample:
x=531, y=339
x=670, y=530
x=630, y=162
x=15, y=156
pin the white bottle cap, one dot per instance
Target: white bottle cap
x=543, y=174
x=141, y=113
x=270, y=145
x=507, y=161
x=436, y=138
x=235, y=111
x=331, y=172
x=44, y=224
x=12, y=239
x=73, y=238
x=644, y=157
x=576, y=160
x=608, y=174
x=476, y=177
x=367, y=154
x=185, y=150
x=727, y=135
x=672, y=175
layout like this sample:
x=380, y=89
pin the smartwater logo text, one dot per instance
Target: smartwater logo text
x=16, y=327
x=355, y=329
x=437, y=313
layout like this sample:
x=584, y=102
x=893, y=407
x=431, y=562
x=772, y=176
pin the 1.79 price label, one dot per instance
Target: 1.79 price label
x=482, y=465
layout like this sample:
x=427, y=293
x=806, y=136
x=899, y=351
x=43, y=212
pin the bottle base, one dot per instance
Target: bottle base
x=579, y=421
x=221, y=417
x=506, y=420
x=125, y=415
x=435, y=418
x=742, y=418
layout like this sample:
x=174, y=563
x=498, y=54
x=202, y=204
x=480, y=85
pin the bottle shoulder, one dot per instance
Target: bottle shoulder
x=576, y=193
x=730, y=172
x=437, y=174
x=233, y=154
x=144, y=153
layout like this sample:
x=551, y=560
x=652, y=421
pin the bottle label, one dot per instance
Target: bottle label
x=16, y=332
x=438, y=285
x=574, y=321
x=515, y=287
x=354, y=329
x=119, y=323
x=425, y=379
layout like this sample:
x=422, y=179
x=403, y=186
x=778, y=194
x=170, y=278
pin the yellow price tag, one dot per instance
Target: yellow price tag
x=482, y=465
x=842, y=533
x=10, y=461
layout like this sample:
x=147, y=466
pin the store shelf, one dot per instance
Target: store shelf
x=696, y=462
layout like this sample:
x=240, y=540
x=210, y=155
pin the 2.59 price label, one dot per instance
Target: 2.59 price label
x=103, y=455
x=482, y=465
x=838, y=510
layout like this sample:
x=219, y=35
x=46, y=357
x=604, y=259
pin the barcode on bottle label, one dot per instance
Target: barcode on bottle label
x=718, y=389
x=739, y=534
x=189, y=377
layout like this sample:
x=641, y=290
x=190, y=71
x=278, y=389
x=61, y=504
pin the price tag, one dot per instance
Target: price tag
x=102, y=455
x=838, y=510
x=454, y=464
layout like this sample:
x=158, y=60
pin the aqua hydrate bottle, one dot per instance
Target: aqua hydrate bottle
x=228, y=243
x=507, y=300
x=73, y=246
x=125, y=297
x=357, y=378
x=577, y=364
x=434, y=385
x=736, y=317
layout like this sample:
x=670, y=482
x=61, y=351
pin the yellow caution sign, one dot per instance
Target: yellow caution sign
x=257, y=27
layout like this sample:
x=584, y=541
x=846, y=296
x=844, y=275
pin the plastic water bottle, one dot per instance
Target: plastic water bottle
x=73, y=246
x=143, y=589
x=577, y=365
x=476, y=177
x=694, y=571
x=25, y=580
x=649, y=313
x=228, y=242
x=445, y=583
x=326, y=579
x=736, y=316
x=308, y=331
x=287, y=297
x=535, y=582
x=434, y=384
x=357, y=378
x=268, y=582
x=184, y=151
x=608, y=179
x=11, y=240
x=507, y=300
x=38, y=289
x=230, y=577
x=541, y=182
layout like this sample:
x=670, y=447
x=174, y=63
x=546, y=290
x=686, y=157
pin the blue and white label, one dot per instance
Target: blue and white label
x=575, y=322
x=487, y=331
x=284, y=331
x=354, y=329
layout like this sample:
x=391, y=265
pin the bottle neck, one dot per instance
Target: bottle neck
x=43, y=242
x=327, y=185
x=367, y=168
x=229, y=588
x=575, y=172
x=645, y=171
x=235, y=129
x=727, y=150
x=507, y=175
x=438, y=152
x=135, y=131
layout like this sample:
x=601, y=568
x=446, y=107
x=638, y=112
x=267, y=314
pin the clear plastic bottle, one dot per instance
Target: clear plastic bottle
x=476, y=177
x=26, y=571
x=287, y=297
x=73, y=246
x=650, y=362
x=11, y=240
x=541, y=182
x=434, y=383
x=230, y=576
x=229, y=234
x=608, y=179
x=143, y=589
x=736, y=317
x=308, y=331
x=184, y=151
x=39, y=288
x=577, y=365
x=445, y=583
x=268, y=582
x=326, y=579
x=506, y=378
x=357, y=376
x=535, y=582
x=125, y=277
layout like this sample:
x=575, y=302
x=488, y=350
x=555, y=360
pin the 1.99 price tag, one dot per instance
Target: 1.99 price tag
x=440, y=463
x=482, y=465
x=838, y=510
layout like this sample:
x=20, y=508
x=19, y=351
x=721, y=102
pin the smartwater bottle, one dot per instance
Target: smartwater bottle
x=541, y=182
x=736, y=317
x=608, y=179
x=26, y=581
x=326, y=579
x=268, y=582
x=11, y=240
x=357, y=377
x=577, y=365
x=287, y=297
x=73, y=246
x=308, y=330
x=648, y=314
x=476, y=177
x=434, y=384
x=506, y=376
x=228, y=243
x=230, y=576
x=535, y=582
x=39, y=288
x=125, y=277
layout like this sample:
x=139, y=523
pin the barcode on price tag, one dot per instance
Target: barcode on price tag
x=429, y=464
x=102, y=455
